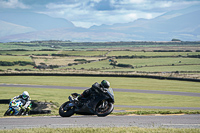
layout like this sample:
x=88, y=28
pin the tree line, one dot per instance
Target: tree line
x=21, y=63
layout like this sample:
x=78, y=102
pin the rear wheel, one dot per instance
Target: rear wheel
x=104, y=108
x=65, y=110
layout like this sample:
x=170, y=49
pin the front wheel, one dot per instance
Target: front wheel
x=104, y=108
x=65, y=110
x=8, y=112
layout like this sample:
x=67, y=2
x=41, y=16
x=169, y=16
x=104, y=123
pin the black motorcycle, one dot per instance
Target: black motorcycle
x=99, y=103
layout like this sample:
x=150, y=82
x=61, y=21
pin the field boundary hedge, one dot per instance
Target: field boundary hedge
x=99, y=75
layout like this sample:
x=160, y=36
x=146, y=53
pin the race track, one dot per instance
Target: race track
x=167, y=121
x=120, y=90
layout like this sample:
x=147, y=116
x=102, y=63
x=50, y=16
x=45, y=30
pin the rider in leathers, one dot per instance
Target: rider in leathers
x=102, y=87
x=25, y=98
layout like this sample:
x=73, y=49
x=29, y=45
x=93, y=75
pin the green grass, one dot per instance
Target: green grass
x=28, y=52
x=169, y=68
x=14, y=45
x=103, y=129
x=121, y=98
x=116, y=82
x=148, y=65
x=130, y=53
x=159, y=69
x=141, y=99
x=14, y=58
x=84, y=53
x=62, y=61
x=18, y=67
x=98, y=65
x=143, y=64
x=159, y=61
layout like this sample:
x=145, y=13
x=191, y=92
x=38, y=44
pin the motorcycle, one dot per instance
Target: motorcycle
x=100, y=104
x=15, y=108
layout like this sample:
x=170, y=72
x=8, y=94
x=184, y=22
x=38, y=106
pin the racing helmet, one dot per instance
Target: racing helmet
x=105, y=84
x=25, y=95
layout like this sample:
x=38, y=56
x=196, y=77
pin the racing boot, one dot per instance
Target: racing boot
x=27, y=110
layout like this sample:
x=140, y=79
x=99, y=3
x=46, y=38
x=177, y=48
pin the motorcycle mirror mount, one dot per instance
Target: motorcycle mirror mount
x=70, y=98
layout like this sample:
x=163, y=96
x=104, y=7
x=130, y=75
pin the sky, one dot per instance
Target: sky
x=86, y=13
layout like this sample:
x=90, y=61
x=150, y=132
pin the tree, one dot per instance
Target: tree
x=174, y=39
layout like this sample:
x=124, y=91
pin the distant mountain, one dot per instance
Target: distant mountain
x=36, y=21
x=170, y=25
x=10, y=29
x=182, y=24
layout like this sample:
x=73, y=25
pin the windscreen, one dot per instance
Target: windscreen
x=110, y=90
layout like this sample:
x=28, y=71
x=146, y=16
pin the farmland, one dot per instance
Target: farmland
x=165, y=59
x=37, y=61
x=158, y=58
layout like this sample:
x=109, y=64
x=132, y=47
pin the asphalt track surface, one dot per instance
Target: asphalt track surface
x=149, y=121
x=120, y=90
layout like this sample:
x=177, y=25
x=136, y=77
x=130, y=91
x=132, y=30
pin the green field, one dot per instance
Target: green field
x=29, y=67
x=162, y=69
x=14, y=58
x=159, y=61
x=84, y=53
x=93, y=65
x=121, y=98
x=27, y=52
x=148, y=62
x=116, y=82
x=139, y=53
x=144, y=60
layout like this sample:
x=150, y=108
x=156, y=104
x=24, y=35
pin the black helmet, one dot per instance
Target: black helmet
x=105, y=84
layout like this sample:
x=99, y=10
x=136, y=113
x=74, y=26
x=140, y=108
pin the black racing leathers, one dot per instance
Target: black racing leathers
x=95, y=88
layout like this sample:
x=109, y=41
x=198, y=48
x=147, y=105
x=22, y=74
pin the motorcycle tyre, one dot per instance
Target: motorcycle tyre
x=7, y=113
x=107, y=112
x=68, y=113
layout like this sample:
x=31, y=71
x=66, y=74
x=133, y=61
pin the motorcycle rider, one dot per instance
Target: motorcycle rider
x=25, y=99
x=95, y=88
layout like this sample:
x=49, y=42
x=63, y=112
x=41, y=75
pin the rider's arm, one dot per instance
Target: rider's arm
x=86, y=93
x=16, y=97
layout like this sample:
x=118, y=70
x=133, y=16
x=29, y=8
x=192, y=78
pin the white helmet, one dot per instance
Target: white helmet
x=25, y=95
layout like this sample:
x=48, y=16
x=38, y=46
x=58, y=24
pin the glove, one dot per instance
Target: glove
x=11, y=99
x=76, y=99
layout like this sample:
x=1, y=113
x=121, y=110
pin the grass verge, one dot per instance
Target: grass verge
x=100, y=130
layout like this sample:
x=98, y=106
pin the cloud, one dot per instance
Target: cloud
x=85, y=13
x=13, y=4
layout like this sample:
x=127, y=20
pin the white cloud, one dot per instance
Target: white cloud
x=132, y=1
x=97, y=1
x=83, y=13
x=12, y=4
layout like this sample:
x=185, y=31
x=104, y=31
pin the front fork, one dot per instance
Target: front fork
x=104, y=104
x=11, y=112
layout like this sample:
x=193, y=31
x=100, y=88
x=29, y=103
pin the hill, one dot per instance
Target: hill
x=182, y=24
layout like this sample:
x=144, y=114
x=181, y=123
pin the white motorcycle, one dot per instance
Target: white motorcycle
x=15, y=108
